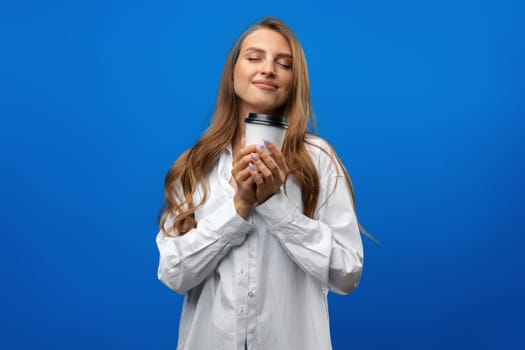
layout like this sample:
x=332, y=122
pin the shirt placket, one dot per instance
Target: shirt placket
x=241, y=305
x=252, y=293
x=246, y=286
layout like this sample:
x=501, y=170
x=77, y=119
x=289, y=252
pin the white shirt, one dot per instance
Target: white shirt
x=263, y=281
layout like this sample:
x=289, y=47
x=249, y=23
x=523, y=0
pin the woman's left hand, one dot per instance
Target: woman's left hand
x=270, y=171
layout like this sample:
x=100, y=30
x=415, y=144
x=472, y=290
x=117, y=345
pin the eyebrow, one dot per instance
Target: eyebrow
x=256, y=49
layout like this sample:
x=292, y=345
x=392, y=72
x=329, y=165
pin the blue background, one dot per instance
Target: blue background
x=424, y=102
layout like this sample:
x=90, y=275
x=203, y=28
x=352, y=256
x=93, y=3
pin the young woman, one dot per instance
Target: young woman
x=252, y=235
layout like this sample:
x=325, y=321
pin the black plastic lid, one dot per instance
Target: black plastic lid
x=266, y=119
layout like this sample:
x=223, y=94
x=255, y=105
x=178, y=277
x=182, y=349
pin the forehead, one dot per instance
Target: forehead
x=267, y=40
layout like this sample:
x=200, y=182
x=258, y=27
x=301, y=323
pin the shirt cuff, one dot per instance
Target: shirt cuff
x=232, y=227
x=277, y=209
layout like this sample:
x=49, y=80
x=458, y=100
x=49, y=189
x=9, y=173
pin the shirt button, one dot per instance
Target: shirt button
x=242, y=272
x=251, y=293
x=241, y=310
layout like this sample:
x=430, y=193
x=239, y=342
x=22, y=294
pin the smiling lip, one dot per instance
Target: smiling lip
x=265, y=85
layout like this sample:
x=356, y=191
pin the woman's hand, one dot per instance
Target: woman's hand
x=243, y=182
x=270, y=171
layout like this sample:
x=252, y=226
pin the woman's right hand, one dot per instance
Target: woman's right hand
x=243, y=182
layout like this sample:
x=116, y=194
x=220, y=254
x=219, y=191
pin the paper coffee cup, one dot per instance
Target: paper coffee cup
x=264, y=126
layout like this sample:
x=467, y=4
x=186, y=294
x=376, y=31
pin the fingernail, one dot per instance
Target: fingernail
x=266, y=141
x=259, y=148
x=253, y=156
x=251, y=166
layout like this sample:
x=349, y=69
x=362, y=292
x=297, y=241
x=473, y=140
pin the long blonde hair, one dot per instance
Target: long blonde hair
x=191, y=168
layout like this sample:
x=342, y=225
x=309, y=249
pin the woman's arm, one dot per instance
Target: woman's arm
x=185, y=261
x=329, y=247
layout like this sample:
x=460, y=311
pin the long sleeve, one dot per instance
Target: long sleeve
x=185, y=261
x=329, y=247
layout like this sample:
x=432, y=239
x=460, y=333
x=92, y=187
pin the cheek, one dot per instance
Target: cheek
x=288, y=81
x=288, y=87
x=239, y=80
x=236, y=84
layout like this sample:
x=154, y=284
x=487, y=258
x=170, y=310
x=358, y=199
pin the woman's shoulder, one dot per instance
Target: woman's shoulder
x=317, y=146
x=322, y=154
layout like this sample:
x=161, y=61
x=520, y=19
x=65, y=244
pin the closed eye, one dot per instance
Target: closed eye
x=285, y=63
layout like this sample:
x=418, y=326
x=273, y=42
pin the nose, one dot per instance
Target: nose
x=268, y=68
